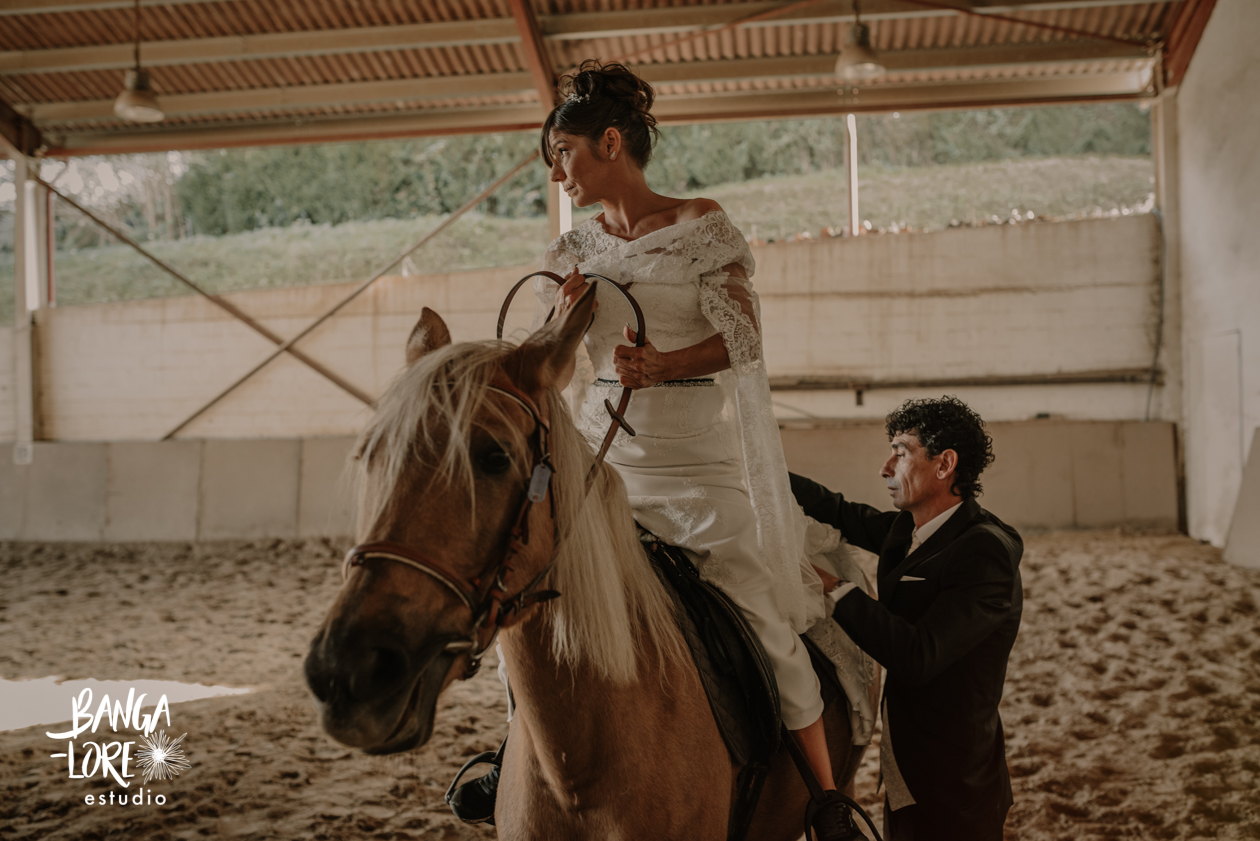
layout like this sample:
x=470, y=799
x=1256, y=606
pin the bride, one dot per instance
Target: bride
x=705, y=471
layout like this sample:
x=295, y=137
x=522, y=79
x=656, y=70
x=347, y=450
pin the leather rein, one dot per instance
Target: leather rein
x=485, y=595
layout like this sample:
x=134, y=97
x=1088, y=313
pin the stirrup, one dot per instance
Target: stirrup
x=473, y=802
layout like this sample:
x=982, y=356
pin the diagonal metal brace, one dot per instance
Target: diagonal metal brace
x=287, y=346
x=225, y=305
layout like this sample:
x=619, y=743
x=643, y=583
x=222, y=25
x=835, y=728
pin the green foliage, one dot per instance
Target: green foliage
x=933, y=197
x=229, y=191
x=697, y=156
x=919, y=139
x=299, y=255
x=773, y=208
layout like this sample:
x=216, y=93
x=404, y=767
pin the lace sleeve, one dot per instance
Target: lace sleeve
x=731, y=306
x=561, y=259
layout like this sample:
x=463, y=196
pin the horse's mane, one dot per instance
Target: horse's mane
x=426, y=417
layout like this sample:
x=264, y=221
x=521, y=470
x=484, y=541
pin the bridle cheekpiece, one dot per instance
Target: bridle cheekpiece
x=486, y=595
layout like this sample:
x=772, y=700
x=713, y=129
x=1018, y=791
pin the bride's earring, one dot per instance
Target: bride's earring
x=612, y=156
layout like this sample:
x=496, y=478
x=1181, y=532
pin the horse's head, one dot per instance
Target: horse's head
x=445, y=467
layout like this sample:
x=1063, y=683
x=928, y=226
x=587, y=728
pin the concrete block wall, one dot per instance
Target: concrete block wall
x=133, y=370
x=1218, y=121
x=178, y=490
x=1002, y=300
x=1021, y=299
x=1047, y=475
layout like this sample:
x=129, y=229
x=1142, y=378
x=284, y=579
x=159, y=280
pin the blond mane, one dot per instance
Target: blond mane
x=612, y=603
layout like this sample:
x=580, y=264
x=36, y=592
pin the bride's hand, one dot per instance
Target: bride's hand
x=574, y=287
x=639, y=367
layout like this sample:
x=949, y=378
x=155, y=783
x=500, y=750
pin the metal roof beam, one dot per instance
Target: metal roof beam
x=441, y=87
x=18, y=132
x=48, y=7
x=824, y=101
x=256, y=47
x=772, y=104
x=1184, y=37
x=580, y=26
x=962, y=58
x=537, y=57
x=38, y=7
x=446, y=121
x=298, y=96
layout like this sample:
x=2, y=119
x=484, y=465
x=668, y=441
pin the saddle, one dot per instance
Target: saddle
x=735, y=672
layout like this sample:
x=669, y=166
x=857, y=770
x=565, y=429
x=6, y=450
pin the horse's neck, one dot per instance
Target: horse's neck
x=573, y=716
x=559, y=704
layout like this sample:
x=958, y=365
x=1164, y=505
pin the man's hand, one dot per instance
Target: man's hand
x=640, y=367
x=829, y=581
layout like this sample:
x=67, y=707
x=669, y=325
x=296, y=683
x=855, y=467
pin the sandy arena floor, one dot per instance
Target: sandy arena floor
x=1131, y=711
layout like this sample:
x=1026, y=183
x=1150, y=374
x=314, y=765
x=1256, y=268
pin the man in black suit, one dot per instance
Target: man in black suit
x=949, y=605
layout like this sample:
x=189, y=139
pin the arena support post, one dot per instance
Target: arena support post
x=25, y=276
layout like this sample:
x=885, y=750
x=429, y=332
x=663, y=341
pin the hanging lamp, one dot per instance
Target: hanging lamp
x=137, y=102
x=858, y=59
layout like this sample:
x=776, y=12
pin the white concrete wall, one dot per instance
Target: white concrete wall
x=1048, y=474
x=132, y=371
x=1010, y=300
x=178, y=490
x=1030, y=299
x=1219, y=136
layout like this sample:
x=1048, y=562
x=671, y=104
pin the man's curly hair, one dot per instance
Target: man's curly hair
x=947, y=424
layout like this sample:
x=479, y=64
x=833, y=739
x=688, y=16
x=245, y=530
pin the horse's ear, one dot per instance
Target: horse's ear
x=546, y=358
x=429, y=334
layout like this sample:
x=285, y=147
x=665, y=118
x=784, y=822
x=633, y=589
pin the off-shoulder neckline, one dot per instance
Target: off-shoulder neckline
x=599, y=226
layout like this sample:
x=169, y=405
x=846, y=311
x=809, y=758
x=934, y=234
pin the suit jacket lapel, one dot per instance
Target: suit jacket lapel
x=945, y=535
x=894, y=552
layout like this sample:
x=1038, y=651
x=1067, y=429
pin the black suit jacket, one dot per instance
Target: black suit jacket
x=943, y=628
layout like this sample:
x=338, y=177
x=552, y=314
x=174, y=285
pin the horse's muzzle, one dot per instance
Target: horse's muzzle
x=374, y=695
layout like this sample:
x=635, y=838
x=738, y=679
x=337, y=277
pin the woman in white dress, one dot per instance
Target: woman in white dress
x=706, y=470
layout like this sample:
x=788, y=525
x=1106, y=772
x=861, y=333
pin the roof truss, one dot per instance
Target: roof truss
x=937, y=58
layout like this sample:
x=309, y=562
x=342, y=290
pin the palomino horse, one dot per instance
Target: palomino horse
x=612, y=736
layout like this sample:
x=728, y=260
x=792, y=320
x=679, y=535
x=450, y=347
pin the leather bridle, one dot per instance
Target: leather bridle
x=485, y=596
x=640, y=339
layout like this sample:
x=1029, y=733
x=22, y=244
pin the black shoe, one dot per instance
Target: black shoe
x=473, y=802
x=831, y=819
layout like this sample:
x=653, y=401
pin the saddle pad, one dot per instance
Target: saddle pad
x=733, y=665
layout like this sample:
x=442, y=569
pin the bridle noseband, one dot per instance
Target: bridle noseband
x=486, y=595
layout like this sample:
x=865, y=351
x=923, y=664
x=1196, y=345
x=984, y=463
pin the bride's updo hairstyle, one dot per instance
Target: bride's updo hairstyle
x=599, y=97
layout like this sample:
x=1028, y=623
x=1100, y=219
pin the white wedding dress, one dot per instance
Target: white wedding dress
x=706, y=470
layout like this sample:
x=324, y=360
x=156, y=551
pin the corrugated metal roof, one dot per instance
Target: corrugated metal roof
x=319, y=60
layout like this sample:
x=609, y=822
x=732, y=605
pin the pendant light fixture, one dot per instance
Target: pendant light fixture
x=137, y=102
x=858, y=59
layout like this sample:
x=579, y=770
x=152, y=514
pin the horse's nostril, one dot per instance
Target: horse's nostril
x=390, y=667
x=381, y=670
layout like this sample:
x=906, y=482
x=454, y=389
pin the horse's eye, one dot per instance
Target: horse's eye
x=494, y=460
